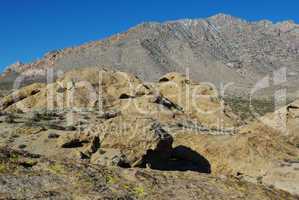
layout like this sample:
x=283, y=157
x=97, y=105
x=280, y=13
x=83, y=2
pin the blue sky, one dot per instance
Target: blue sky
x=30, y=28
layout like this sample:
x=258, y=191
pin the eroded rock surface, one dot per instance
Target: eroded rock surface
x=97, y=145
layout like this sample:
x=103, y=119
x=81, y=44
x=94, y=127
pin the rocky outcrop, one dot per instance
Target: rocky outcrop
x=20, y=95
x=174, y=124
x=92, y=88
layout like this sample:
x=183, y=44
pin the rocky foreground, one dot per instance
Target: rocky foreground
x=96, y=134
x=30, y=176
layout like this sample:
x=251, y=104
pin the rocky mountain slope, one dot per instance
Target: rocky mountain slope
x=219, y=49
x=129, y=139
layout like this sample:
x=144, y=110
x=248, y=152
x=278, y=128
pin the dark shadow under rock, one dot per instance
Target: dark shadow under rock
x=125, y=96
x=182, y=159
x=163, y=79
x=109, y=115
x=74, y=143
x=167, y=103
x=166, y=158
x=186, y=154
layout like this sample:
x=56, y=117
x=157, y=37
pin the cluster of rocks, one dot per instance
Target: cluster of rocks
x=158, y=152
x=143, y=126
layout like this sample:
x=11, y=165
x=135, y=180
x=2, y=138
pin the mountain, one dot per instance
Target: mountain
x=135, y=116
x=218, y=49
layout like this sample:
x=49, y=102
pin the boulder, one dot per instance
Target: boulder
x=92, y=147
x=20, y=94
x=158, y=148
x=110, y=157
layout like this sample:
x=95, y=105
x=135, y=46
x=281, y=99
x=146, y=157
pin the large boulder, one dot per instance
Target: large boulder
x=198, y=100
x=20, y=95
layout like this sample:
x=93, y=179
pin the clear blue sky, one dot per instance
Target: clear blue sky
x=30, y=28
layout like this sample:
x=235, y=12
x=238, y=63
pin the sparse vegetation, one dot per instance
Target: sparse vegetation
x=247, y=110
x=14, y=157
x=56, y=168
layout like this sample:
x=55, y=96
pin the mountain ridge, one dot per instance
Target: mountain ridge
x=219, y=15
x=219, y=49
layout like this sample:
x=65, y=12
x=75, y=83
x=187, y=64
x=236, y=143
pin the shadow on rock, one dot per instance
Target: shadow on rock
x=182, y=159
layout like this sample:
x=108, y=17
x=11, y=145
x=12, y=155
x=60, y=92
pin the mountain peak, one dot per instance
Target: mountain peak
x=222, y=16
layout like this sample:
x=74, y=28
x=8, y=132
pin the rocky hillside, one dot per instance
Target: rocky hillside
x=218, y=49
x=107, y=134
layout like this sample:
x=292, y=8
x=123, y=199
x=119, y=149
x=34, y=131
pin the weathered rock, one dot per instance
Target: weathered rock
x=19, y=95
x=142, y=135
x=92, y=147
x=110, y=157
